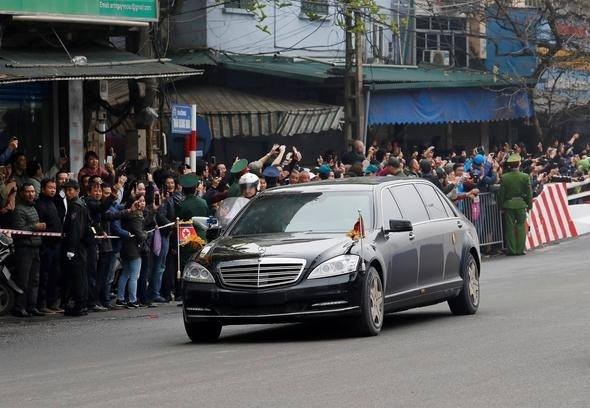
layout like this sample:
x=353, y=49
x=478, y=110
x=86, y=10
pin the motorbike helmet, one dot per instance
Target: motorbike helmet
x=249, y=180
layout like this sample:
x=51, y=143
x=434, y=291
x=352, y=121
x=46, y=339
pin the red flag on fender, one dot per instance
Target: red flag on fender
x=358, y=230
x=185, y=233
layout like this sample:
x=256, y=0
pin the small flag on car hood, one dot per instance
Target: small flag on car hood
x=358, y=230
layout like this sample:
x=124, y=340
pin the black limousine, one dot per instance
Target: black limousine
x=357, y=248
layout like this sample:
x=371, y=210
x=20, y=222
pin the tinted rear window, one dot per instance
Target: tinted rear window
x=410, y=203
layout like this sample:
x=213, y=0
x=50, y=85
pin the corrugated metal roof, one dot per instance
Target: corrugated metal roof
x=33, y=65
x=378, y=77
x=235, y=113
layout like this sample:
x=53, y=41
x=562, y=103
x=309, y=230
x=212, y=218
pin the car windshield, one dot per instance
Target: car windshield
x=304, y=212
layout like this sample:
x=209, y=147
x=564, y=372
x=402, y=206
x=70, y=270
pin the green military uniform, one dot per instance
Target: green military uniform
x=236, y=171
x=234, y=189
x=192, y=206
x=516, y=197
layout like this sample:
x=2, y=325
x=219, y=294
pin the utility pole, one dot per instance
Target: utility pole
x=349, y=105
x=359, y=90
x=354, y=107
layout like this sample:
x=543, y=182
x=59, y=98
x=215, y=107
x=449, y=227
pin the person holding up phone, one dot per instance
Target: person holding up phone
x=131, y=254
x=6, y=155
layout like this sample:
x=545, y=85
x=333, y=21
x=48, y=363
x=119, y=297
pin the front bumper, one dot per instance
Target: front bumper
x=308, y=299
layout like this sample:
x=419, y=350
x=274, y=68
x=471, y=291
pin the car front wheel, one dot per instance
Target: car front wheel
x=467, y=302
x=206, y=332
x=370, y=321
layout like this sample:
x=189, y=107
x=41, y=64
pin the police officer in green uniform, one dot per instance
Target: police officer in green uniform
x=516, y=198
x=193, y=205
x=239, y=168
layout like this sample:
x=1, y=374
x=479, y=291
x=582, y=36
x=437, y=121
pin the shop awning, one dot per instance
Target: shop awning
x=456, y=105
x=35, y=65
x=234, y=113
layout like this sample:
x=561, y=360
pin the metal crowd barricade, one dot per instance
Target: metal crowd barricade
x=578, y=191
x=484, y=213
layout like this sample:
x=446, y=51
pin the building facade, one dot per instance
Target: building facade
x=71, y=74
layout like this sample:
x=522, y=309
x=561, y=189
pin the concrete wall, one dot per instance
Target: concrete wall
x=203, y=24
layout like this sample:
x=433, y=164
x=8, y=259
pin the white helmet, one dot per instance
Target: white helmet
x=250, y=180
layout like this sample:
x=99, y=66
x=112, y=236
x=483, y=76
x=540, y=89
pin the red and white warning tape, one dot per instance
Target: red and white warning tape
x=30, y=233
x=60, y=235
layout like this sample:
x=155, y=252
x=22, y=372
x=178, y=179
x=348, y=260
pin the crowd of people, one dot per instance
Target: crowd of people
x=104, y=217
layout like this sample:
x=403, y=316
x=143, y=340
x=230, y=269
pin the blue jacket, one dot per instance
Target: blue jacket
x=6, y=156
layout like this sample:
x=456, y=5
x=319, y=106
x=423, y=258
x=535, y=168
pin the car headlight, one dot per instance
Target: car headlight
x=194, y=272
x=341, y=265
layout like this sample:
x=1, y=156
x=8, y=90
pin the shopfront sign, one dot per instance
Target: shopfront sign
x=181, y=118
x=133, y=10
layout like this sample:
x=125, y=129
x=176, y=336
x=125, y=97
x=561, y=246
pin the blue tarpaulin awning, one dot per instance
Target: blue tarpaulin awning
x=437, y=106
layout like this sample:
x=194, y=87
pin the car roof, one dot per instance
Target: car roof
x=344, y=184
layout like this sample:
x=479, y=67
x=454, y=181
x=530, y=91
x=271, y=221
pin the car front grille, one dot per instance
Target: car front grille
x=261, y=273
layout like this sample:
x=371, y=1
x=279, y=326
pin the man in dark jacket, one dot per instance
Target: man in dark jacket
x=427, y=174
x=61, y=201
x=50, y=271
x=159, y=290
x=78, y=237
x=97, y=206
x=27, y=252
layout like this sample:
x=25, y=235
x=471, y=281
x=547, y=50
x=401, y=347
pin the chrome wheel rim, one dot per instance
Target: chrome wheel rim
x=376, y=299
x=473, y=284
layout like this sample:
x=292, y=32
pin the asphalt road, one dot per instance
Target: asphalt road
x=529, y=346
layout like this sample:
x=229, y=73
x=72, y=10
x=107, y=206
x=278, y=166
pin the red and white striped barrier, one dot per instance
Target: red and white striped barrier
x=550, y=219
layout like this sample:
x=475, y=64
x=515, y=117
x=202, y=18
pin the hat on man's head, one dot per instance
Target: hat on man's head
x=239, y=166
x=324, y=169
x=271, y=172
x=324, y=172
x=255, y=167
x=440, y=172
x=479, y=159
x=449, y=167
x=188, y=180
x=425, y=166
x=514, y=158
x=394, y=162
x=71, y=184
x=356, y=170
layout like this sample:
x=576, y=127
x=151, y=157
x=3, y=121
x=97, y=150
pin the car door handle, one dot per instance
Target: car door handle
x=411, y=236
x=459, y=224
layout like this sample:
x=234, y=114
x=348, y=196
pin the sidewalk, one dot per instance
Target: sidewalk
x=118, y=314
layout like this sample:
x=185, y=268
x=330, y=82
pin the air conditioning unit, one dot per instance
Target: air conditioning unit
x=438, y=57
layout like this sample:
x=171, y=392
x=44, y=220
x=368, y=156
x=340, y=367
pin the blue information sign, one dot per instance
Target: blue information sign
x=181, y=118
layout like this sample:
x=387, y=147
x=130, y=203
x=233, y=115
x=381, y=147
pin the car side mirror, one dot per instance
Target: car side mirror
x=400, y=226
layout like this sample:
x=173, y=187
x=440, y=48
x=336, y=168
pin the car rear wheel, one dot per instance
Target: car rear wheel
x=6, y=299
x=206, y=332
x=370, y=321
x=467, y=302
